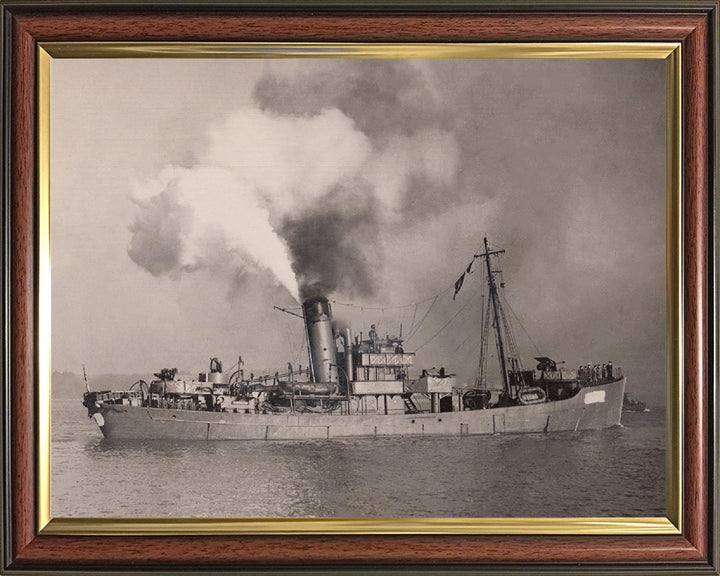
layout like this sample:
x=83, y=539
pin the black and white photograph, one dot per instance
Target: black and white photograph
x=358, y=288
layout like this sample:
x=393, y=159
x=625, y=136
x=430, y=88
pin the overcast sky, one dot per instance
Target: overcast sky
x=190, y=196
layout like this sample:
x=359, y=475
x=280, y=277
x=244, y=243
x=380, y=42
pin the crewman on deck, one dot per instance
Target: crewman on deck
x=372, y=335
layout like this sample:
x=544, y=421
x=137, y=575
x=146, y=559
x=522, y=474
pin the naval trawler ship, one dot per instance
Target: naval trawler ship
x=363, y=387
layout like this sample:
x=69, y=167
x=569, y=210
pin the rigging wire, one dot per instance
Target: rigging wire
x=396, y=307
x=480, y=282
x=521, y=325
x=412, y=324
x=444, y=325
x=303, y=344
x=383, y=309
x=464, y=342
x=414, y=327
x=417, y=328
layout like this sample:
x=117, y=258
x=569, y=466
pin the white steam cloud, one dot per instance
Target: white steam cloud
x=204, y=216
x=301, y=194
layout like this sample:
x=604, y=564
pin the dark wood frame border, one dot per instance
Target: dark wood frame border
x=693, y=23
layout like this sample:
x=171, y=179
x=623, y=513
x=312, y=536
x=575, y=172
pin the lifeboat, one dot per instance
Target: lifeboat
x=532, y=395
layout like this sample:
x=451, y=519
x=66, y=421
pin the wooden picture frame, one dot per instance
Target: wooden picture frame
x=28, y=24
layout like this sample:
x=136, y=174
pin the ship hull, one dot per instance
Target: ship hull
x=592, y=408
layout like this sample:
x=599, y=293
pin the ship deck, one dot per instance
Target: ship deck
x=599, y=406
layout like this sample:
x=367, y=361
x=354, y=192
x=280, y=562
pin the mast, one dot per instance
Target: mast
x=482, y=361
x=494, y=299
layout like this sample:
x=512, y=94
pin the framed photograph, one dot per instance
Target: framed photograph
x=359, y=286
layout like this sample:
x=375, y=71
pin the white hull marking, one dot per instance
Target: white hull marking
x=595, y=397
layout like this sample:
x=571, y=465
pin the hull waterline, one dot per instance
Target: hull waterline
x=593, y=407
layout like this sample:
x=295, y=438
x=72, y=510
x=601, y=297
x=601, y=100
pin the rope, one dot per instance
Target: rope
x=296, y=358
x=410, y=336
x=382, y=309
x=521, y=325
x=443, y=326
x=386, y=307
x=463, y=342
x=412, y=325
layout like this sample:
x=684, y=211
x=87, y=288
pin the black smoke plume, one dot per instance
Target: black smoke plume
x=334, y=244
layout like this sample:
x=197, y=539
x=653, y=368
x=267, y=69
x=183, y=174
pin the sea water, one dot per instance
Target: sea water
x=618, y=471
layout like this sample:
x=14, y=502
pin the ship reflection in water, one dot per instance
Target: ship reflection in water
x=612, y=472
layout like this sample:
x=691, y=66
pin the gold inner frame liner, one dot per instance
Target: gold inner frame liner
x=670, y=52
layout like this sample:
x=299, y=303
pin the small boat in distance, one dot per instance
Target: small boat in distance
x=631, y=404
x=366, y=387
